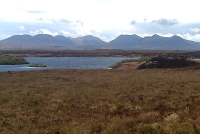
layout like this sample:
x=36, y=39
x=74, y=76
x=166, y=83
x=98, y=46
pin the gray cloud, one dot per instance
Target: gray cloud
x=133, y=22
x=166, y=22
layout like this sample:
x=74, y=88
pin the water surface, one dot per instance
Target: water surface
x=65, y=62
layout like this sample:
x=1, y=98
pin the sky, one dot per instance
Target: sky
x=105, y=19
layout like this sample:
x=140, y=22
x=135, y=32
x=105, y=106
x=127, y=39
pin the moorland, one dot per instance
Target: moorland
x=117, y=101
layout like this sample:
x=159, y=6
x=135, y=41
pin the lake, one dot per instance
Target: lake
x=65, y=62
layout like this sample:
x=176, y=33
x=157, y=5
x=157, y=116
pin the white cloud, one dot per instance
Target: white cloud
x=43, y=31
x=76, y=33
x=166, y=35
x=22, y=28
x=89, y=10
x=105, y=39
x=81, y=33
x=42, y=20
x=67, y=34
x=195, y=30
x=35, y=12
x=145, y=35
x=188, y=36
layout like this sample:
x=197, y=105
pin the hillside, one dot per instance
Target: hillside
x=89, y=42
x=154, y=42
x=124, y=42
x=40, y=41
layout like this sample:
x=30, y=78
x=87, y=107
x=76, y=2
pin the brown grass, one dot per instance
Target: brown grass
x=100, y=101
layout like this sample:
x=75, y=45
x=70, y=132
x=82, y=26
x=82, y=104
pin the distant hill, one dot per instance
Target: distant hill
x=40, y=41
x=126, y=42
x=154, y=42
x=89, y=42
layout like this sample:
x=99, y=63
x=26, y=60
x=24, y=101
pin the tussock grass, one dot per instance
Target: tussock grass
x=100, y=101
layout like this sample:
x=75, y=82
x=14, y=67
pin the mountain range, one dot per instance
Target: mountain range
x=125, y=42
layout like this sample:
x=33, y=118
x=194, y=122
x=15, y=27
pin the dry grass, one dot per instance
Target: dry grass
x=100, y=101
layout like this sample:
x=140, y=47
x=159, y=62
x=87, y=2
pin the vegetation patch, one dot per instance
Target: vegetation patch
x=37, y=65
x=10, y=60
x=164, y=62
x=119, y=64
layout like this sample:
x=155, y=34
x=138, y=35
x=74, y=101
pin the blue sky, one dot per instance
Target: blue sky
x=105, y=19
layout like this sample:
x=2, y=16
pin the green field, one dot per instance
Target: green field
x=159, y=101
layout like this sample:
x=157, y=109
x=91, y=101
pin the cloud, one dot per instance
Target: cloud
x=133, y=22
x=35, y=12
x=80, y=22
x=165, y=35
x=166, y=22
x=188, y=36
x=67, y=34
x=195, y=30
x=64, y=21
x=40, y=19
x=43, y=31
x=145, y=19
x=22, y=28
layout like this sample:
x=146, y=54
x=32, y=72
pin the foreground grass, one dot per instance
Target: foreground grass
x=100, y=101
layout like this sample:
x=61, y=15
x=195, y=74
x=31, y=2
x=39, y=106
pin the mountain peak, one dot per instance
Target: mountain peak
x=155, y=36
x=127, y=35
x=176, y=36
x=88, y=36
x=43, y=35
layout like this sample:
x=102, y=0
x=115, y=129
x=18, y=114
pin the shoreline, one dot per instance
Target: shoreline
x=98, y=53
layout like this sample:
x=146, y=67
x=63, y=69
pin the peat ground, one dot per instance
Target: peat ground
x=158, y=101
